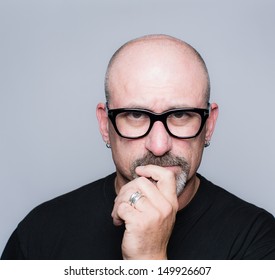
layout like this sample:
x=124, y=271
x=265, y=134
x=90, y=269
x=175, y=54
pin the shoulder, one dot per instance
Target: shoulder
x=43, y=233
x=225, y=199
x=71, y=205
x=228, y=209
x=82, y=194
x=250, y=227
x=239, y=214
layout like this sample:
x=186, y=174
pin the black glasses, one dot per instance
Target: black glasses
x=182, y=123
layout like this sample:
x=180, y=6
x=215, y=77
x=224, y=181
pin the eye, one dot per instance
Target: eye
x=135, y=115
x=179, y=115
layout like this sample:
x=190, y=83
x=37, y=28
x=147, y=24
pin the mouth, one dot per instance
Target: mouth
x=168, y=161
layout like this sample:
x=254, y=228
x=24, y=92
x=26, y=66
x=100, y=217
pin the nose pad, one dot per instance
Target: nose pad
x=158, y=140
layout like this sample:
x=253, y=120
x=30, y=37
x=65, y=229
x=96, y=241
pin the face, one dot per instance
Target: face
x=157, y=79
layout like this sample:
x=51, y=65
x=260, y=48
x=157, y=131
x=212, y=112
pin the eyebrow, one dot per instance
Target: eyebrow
x=149, y=108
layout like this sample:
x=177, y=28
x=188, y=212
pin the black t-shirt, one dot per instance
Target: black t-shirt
x=78, y=225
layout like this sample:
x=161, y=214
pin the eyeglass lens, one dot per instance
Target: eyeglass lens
x=180, y=123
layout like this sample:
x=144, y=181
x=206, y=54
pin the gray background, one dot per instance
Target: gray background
x=52, y=62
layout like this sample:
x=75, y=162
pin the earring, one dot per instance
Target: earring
x=108, y=145
x=207, y=144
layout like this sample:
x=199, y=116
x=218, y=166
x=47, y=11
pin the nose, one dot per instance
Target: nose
x=158, y=141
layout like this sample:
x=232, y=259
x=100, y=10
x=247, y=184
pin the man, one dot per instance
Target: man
x=157, y=121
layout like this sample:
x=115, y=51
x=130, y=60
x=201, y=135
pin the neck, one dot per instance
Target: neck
x=189, y=191
x=119, y=182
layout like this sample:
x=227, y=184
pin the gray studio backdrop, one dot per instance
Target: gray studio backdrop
x=52, y=62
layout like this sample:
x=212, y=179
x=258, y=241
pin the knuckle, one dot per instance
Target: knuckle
x=155, y=217
x=167, y=210
x=170, y=175
x=141, y=180
x=121, y=208
x=141, y=183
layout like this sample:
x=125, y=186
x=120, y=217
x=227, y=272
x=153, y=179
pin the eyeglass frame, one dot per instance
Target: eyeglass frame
x=162, y=117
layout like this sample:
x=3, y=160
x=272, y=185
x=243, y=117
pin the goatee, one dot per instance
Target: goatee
x=166, y=160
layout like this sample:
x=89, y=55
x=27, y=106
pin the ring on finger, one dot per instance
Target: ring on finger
x=134, y=198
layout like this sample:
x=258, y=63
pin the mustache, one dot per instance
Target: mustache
x=167, y=159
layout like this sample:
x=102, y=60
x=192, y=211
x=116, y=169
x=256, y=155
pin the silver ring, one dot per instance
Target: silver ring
x=134, y=198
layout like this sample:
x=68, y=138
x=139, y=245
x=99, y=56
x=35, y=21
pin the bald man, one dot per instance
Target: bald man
x=157, y=120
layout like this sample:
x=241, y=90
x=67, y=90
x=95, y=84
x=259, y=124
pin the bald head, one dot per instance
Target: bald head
x=154, y=51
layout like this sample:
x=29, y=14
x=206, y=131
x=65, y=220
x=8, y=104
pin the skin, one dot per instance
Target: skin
x=158, y=74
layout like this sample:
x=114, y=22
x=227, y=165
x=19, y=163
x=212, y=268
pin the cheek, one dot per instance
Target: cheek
x=192, y=151
x=197, y=152
x=125, y=152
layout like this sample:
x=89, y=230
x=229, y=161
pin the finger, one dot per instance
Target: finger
x=151, y=194
x=125, y=212
x=150, y=198
x=166, y=179
x=137, y=219
x=143, y=186
x=123, y=196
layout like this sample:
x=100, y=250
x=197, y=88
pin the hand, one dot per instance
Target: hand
x=148, y=223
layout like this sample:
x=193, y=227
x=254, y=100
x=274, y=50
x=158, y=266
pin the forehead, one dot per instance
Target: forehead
x=157, y=76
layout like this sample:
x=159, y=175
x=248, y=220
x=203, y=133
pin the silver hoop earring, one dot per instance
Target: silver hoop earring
x=207, y=144
x=108, y=145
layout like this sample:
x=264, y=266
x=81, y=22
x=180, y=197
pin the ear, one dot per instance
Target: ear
x=211, y=121
x=102, y=119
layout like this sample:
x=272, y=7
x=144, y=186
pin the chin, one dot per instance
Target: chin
x=181, y=182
